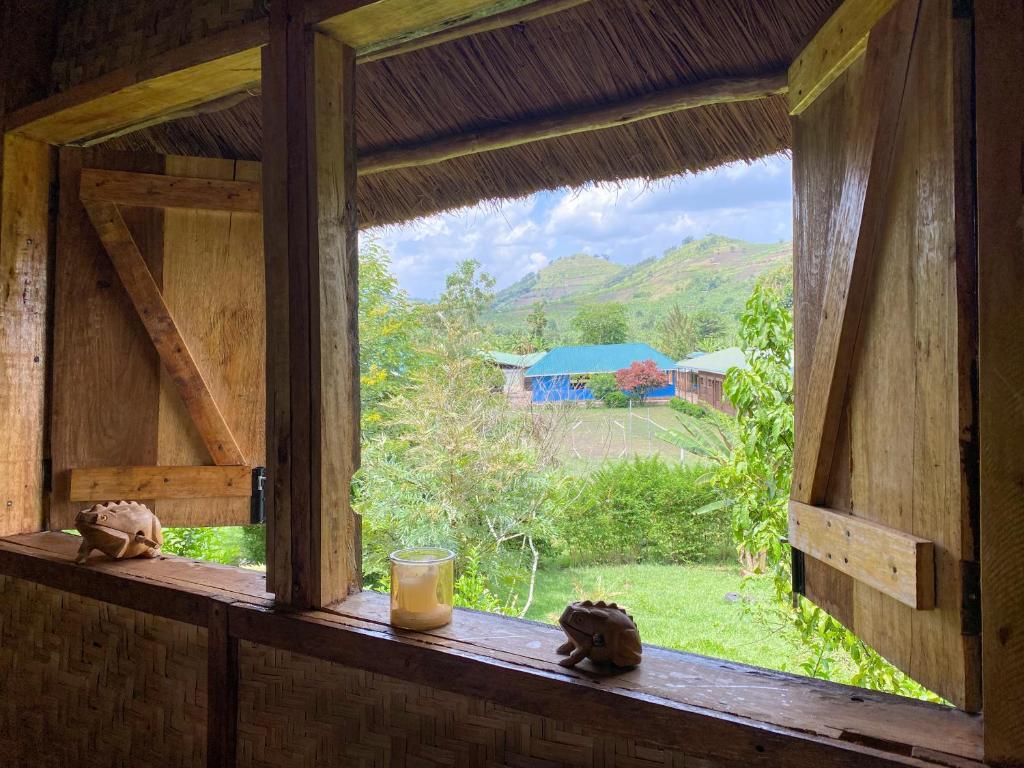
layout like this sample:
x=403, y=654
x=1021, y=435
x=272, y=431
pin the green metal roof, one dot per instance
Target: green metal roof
x=513, y=360
x=715, y=362
x=597, y=358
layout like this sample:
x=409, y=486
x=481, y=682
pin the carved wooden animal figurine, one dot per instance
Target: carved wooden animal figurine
x=119, y=529
x=603, y=633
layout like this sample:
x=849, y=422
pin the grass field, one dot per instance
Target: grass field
x=590, y=435
x=689, y=608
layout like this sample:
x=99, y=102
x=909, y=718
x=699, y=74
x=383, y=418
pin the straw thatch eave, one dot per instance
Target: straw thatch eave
x=599, y=53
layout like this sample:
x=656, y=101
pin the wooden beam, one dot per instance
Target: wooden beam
x=896, y=563
x=312, y=345
x=523, y=14
x=999, y=105
x=155, y=191
x=26, y=171
x=227, y=63
x=211, y=68
x=111, y=483
x=371, y=26
x=689, y=96
x=221, y=688
x=851, y=249
x=837, y=44
x=156, y=317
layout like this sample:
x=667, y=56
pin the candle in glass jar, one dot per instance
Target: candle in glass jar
x=421, y=588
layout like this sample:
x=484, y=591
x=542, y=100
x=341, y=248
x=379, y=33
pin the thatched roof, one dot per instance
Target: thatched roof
x=600, y=52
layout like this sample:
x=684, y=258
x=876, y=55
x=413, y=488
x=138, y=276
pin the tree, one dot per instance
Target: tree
x=468, y=292
x=641, y=378
x=601, y=324
x=387, y=326
x=537, y=322
x=602, y=385
x=677, y=333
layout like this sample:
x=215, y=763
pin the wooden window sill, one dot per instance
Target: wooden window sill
x=709, y=707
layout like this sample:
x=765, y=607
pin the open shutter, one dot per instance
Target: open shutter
x=159, y=364
x=883, y=515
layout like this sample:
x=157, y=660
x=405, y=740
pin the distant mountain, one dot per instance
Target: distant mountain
x=714, y=273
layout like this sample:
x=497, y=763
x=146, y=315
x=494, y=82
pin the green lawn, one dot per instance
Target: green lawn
x=682, y=607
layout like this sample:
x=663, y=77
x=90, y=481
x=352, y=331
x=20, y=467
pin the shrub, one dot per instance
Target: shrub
x=615, y=399
x=602, y=385
x=643, y=510
x=685, y=407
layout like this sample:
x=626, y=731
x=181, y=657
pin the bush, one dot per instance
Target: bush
x=685, y=407
x=644, y=510
x=615, y=400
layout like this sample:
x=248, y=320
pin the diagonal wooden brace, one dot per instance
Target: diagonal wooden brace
x=156, y=317
x=852, y=244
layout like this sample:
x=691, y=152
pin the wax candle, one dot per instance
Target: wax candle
x=421, y=588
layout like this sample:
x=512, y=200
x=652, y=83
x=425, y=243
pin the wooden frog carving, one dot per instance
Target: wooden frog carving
x=119, y=529
x=603, y=633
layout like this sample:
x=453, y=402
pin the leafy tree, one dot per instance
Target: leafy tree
x=641, y=378
x=468, y=292
x=387, y=326
x=602, y=385
x=459, y=467
x=757, y=484
x=677, y=333
x=537, y=322
x=601, y=324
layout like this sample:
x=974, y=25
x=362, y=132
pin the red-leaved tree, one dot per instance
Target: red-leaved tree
x=640, y=379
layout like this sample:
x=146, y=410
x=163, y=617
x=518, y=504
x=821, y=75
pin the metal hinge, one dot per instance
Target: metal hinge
x=797, y=572
x=970, y=600
x=258, y=500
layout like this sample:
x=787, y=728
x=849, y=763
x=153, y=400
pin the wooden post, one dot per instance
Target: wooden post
x=312, y=339
x=26, y=170
x=999, y=92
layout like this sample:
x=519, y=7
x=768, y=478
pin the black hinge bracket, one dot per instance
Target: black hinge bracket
x=798, y=573
x=258, y=500
x=970, y=600
x=47, y=475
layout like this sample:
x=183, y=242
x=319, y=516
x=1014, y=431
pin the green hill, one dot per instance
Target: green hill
x=714, y=274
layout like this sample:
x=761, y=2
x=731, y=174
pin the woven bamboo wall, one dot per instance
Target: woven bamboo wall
x=90, y=684
x=297, y=711
x=97, y=36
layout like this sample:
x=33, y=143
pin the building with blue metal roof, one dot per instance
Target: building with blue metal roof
x=564, y=372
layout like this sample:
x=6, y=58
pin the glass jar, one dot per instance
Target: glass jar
x=422, y=580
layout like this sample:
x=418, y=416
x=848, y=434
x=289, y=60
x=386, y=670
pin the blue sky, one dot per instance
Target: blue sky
x=629, y=221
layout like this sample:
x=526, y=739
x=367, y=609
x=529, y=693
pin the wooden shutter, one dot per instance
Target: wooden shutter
x=883, y=517
x=159, y=359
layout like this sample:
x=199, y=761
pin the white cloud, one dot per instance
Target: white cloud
x=629, y=221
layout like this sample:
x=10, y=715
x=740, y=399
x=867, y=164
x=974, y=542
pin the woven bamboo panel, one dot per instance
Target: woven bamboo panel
x=97, y=36
x=298, y=711
x=84, y=683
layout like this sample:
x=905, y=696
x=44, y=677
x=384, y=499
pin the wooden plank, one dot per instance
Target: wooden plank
x=25, y=241
x=370, y=26
x=899, y=454
x=158, y=191
x=105, y=387
x=173, y=351
x=522, y=14
x=221, y=688
x=313, y=391
x=565, y=123
x=851, y=249
x=896, y=563
x=213, y=284
x=129, y=98
x=999, y=83
x=498, y=657
x=840, y=41
x=112, y=483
